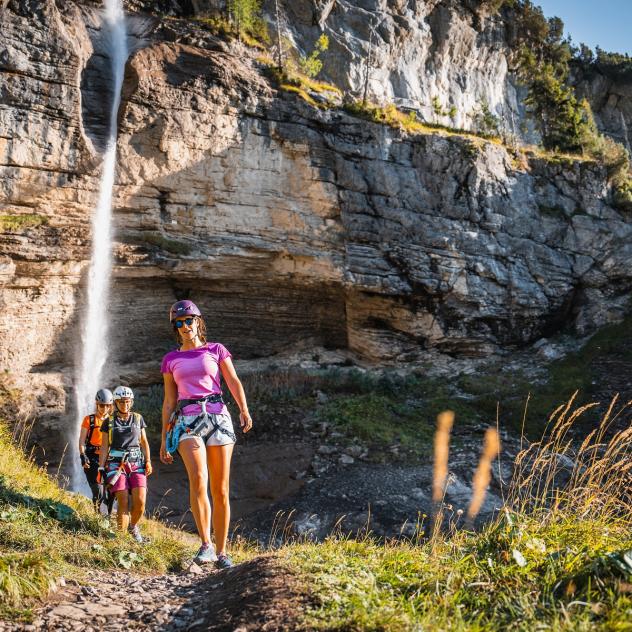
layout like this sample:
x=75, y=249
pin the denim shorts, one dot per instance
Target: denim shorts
x=223, y=420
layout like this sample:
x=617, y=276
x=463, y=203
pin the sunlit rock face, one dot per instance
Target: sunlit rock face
x=611, y=100
x=293, y=228
x=445, y=59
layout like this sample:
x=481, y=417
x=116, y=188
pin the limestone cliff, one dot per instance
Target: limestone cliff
x=292, y=227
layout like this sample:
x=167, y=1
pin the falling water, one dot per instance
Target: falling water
x=94, y=334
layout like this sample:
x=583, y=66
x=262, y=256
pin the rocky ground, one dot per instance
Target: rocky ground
x=310, y=478
x=256, y=595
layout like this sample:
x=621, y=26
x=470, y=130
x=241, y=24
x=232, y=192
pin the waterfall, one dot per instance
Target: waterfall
x=94, y=337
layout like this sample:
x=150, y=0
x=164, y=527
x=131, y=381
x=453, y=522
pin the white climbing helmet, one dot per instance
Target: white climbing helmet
x=121, y=392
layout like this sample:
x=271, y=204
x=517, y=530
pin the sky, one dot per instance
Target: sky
x=603, y=23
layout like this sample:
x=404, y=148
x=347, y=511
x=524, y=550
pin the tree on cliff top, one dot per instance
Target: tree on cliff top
x=246, y=15
x=543, y=64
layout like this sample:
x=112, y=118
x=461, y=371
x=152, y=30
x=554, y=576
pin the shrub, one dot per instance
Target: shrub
x=312, y=65
x=248, y=20
x=486, y=123
x=12, y=223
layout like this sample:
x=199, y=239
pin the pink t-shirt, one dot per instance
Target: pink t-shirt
x=196, y=374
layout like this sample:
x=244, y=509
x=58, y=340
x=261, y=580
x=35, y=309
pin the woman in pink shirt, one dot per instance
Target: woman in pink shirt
x=196, y=423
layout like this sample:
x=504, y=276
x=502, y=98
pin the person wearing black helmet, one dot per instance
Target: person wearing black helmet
x=90, y=443
x=197, y=424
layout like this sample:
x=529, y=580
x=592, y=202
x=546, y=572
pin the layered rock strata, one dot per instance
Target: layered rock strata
x=292, y=227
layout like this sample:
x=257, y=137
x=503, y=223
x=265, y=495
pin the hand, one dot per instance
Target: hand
x=148, y=468
x=165, y=457
x=246, y=420
x=85, y=462
x=101, y=475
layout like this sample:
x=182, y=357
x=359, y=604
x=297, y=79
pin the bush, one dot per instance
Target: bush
x=565, y=123
x=486, y=123
x=248, y=20
x=12, y=223
x=312, y=65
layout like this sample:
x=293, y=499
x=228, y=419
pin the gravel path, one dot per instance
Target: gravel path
x=256, y=595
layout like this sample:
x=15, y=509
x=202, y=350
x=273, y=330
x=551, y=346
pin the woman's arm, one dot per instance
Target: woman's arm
x=144, y=446
x=168, y=406
x=82, y=440
x=82, y=447
x=237, y=391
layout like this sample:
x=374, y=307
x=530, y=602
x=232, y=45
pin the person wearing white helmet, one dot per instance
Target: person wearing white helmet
x=197, y=424
x=126, y=460
x=90, y=443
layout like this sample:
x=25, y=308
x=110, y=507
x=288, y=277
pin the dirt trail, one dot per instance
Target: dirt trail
x=257, y=595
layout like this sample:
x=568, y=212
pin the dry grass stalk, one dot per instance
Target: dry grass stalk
x=483, y=476
x=445, y=421
x=594, y=479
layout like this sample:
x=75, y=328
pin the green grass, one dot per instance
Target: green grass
x=382, y=409
x=407, y=121
x=470, y=581
x=47, y=533
x=558, y=555
x=576, y=371
x=12, y=223
x=255, y=36
x=292, y=80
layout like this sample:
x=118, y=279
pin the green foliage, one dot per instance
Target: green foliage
x=381, y=419
x=486, y=122
x=22, y=575
x=563, y=122
x=566, y=123
x=440, y=111
x=437, y=108
x=312, y=65
x=13, y=223
x=506, y=577
x=248, y=20
x=35, y=512
x=613, y=65
x=543, y=64
x=494, y=6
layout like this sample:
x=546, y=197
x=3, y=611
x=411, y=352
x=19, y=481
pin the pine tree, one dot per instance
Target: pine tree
x=245, y=14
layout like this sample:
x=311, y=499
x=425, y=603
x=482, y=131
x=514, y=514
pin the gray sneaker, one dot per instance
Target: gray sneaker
x=205, y=555
x=223, y=561
x=136, y=534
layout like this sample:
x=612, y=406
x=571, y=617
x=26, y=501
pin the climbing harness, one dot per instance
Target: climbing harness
x=203, y=426
x=114, y=475
x=131, y=460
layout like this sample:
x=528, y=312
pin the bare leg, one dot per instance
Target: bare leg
x=122, y=513
x=194, y=456
x=139, y=496
x=219, y=457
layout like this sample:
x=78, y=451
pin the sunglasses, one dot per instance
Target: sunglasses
x=180, y=323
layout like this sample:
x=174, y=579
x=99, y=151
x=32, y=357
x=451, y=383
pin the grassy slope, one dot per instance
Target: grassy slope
x=47, y=533
x=472, y=581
